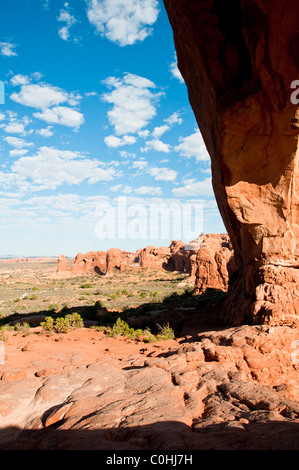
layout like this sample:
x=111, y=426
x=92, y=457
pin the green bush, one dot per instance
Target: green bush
x=62, y=324
x=166, y=332
x=86, y=286
x=22, y=327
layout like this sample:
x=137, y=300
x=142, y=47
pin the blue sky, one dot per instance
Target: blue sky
x=97, y=131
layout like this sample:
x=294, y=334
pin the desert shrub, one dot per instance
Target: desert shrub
x=3, y=334
x=142, y=295
x=48, y=324
x=62, y=324
x=116, y=295
x=121, y=328
x=99, y=304
x=22, y=327
x=53, y=307
x=166, y=332
x=87, y=285
x=32, y=297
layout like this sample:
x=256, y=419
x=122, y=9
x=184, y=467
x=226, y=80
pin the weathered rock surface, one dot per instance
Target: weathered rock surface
x=238, y=62
x=234, y=388
x=215, y=263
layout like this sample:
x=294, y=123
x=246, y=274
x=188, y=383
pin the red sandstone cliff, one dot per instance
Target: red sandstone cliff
x=238, y=60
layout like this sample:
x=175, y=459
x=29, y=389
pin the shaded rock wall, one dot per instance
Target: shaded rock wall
x=238, y=60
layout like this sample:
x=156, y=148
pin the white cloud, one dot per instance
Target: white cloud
x=175, y=71
x=140, y=164
x=7, y=49
x=195, y=188
x=162, y=174
x=17, y=142
x=65, y=16
x=14, y=125
x=124, y=22
x=116, y=187
x=174, y=119
x=157, y=145
x=193, y=146
x=113, y=141
x=15, y=128
x=18, y=152
x=50, y=168
x=47, y=132
x=143, y=133
x=149, y=190
x=133, y=103
x=40, y=96
x=141, y=190
x=47, y=99
x=61, y=115
x=19, y=80
x=158, y=131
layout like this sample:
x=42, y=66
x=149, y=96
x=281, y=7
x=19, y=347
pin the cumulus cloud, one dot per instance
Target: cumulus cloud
x=66, y=17
x=174, y=118
x=123, y=22
x=162, y=174
x=195, y=188
x=133, y=103
x=8, y=49
x=153, y=190
x=46, y=132
x=114, y=141
x=39, y=96
x=51, y=167
x=61, y=115
x=193, y=146
x=157, y=145
x=48, y=99
x=17, y=142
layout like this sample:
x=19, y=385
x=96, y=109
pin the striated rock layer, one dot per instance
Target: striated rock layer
x=239, y=61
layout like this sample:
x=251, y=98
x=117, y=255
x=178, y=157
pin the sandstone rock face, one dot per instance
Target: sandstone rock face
x=156, y=258
x=215, y=262
x=234, y=388
x=62, y=265
x=91, y=261
x=176, y=257
x=118, y=259
x=238, y=64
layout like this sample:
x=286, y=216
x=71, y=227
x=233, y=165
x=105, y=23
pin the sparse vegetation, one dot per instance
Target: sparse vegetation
x=62, y=324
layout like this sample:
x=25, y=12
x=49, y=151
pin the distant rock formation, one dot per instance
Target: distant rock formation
x=179, y=256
